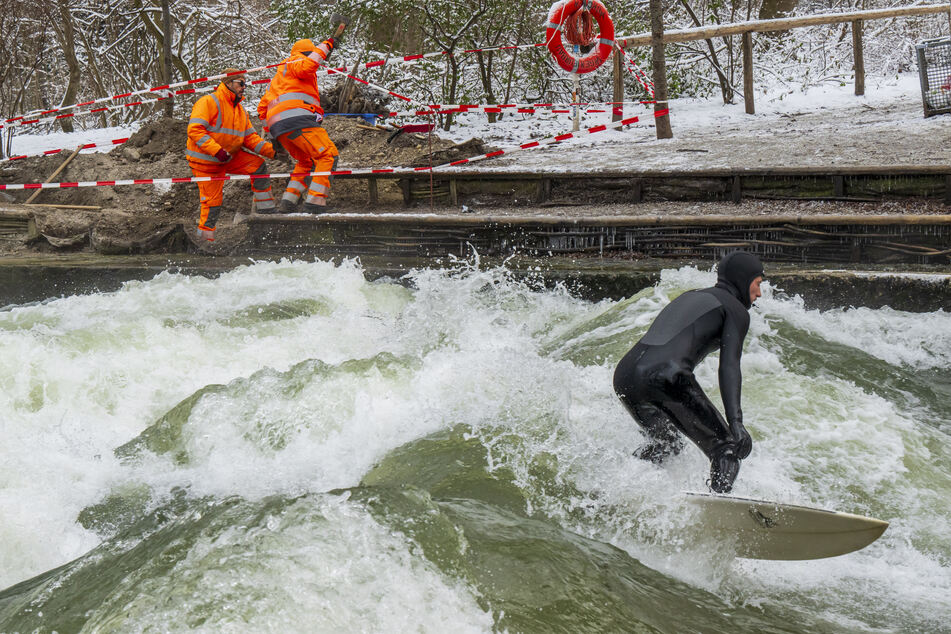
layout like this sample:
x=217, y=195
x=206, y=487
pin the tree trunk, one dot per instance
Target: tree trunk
x=453, y=84
x=726, y=90
x=485, y=73
x=659, y=66
x=167, y=54
x=67, y=41
x=777, y=8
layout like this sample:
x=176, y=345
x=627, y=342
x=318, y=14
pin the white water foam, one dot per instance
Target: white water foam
x=473, y=348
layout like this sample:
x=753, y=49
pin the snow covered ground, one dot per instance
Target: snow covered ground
x=826, y=125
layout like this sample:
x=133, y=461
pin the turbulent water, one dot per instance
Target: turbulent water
x=291, y=447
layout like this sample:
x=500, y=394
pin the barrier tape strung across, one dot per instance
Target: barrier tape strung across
x=389, y=170
x=638, y=72
x=147, y=102
x=513, y=108
x=167, y=88
x=412, y=59
x=334, y=71
x=88, y=146
x=547, y=142
x=490, y=110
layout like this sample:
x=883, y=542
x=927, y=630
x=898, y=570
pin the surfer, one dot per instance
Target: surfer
x=655, y=379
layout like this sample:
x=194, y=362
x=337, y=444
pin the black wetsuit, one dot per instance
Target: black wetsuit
x=655, y=379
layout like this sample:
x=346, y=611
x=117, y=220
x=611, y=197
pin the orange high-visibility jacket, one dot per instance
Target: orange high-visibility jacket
x=220, y=121
x=292, y=101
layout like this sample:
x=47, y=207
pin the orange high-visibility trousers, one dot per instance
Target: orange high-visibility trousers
x=314, y=152
x=210, y=191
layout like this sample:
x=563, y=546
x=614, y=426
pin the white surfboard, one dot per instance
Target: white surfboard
x=772, y=530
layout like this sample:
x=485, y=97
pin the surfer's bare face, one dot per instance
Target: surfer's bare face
x=755, y=292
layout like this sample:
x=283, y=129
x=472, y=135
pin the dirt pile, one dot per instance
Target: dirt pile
x=130, y=218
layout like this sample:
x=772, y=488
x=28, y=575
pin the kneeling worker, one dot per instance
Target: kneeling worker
x=655, y=380
x=292, y=112
x=219, y=133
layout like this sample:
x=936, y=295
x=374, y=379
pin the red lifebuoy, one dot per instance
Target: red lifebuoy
x=558, y=19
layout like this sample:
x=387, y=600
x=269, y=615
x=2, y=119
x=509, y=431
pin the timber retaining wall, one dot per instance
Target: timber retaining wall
x=846, y=240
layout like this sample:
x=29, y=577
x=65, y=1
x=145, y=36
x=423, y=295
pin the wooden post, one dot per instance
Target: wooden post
x=659, y=67
x=618, y=112
x=748, y=73
x=575, y=98
x=838, y=186
x=858, y=57
x=374, y=191
x=53, y=175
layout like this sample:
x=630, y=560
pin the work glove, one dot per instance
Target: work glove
x=268, y=150
x=222, y=155
x=744, y=443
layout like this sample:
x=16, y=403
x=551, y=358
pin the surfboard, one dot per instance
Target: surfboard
x=773, y=530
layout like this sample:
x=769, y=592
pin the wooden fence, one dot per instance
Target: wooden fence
x=746, y=30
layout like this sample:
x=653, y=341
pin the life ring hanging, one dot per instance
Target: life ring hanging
x=561, y=17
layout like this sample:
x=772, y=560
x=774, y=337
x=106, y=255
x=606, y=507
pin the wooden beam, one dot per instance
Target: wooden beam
x=53, y=175
x=779, y=24
x=90, y=207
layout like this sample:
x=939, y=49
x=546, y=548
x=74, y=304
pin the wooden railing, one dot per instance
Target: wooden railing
x=746, y=29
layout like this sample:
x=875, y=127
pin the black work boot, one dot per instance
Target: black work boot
x=288, y=206
x=311, y=208
x=724, y=467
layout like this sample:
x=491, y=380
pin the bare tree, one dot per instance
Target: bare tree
x=445, y=28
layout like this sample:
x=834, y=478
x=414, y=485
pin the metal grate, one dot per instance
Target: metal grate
x=934, y=70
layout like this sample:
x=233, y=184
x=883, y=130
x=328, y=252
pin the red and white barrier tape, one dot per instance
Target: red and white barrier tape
x=638, y=72
x=334, y=71
x=147, y=102
x=412, y=59
x=389, y=170
x=547, y=142
x=514, y=108
x=87, y=146
x=167, y=88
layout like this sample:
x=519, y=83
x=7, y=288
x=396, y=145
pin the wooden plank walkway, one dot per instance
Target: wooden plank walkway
x=847, y=183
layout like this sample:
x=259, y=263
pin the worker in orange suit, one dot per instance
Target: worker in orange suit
x=292, y=114
x=221, y=141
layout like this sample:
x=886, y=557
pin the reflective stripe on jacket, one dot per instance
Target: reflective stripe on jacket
x=219, y=121
x=292, y=100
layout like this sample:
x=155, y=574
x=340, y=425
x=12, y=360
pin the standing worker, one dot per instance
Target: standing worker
x=655, y=380
x=219, y=135
x=292, y=114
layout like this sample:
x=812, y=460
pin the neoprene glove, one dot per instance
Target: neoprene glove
x=222, y=155
x=744, y=443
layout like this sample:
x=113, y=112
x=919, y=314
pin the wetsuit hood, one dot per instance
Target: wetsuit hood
x=736, y=272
